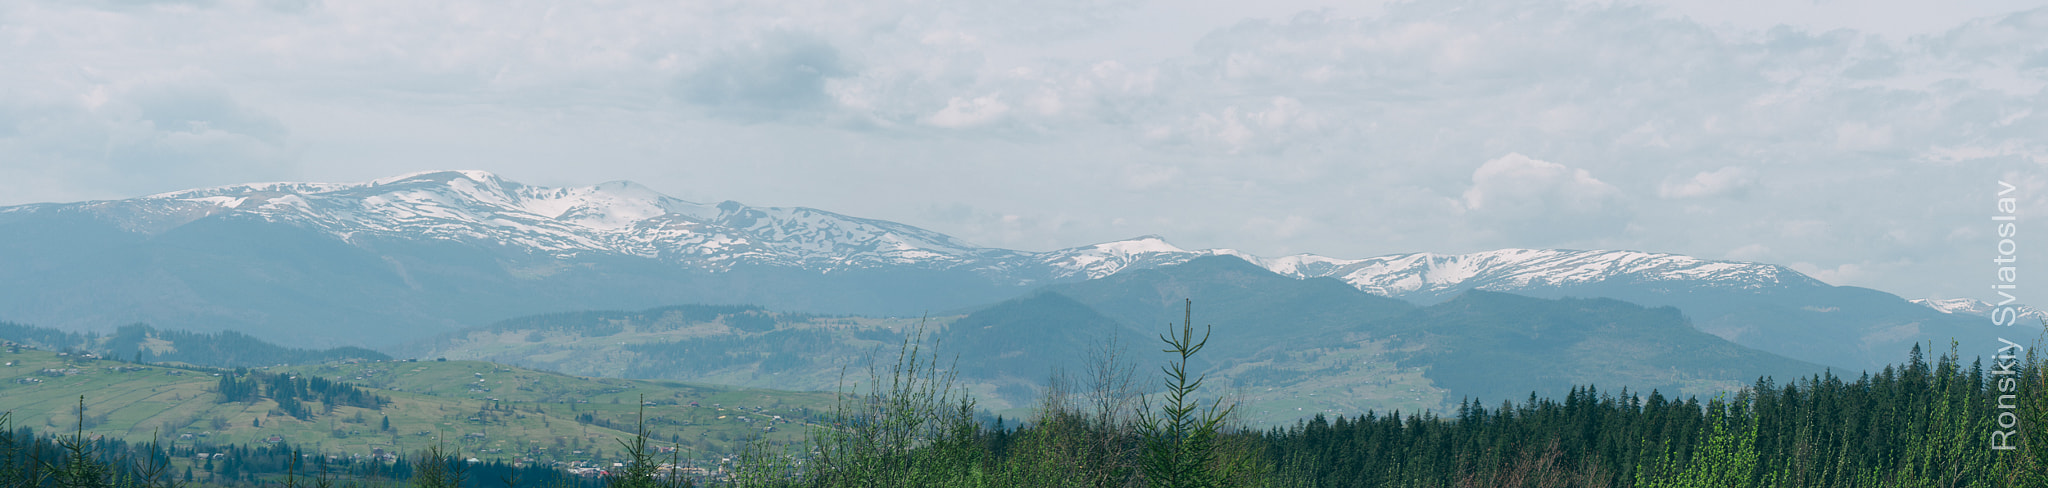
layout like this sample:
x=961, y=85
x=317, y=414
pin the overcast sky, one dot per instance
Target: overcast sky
x=1858, y=141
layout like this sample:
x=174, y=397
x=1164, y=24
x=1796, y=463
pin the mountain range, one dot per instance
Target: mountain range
x=1286, y=348
x=398, y=259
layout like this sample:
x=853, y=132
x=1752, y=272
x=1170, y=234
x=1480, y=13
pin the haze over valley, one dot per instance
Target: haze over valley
x=618, y=280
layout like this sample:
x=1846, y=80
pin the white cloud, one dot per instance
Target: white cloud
x=1751, y=252
x=961, y=112
x=1543, y=202
x=1850, y=273
x=1732, y=180
x=1274, y=126
x=1515, y=181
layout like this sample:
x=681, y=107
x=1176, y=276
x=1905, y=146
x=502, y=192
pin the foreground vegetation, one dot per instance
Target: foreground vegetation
x=907, y=423
x=1920, y=424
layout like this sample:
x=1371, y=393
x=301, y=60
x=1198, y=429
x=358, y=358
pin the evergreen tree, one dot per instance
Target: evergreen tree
x=1180, y=441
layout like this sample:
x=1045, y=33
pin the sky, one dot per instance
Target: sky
x=1860, y=142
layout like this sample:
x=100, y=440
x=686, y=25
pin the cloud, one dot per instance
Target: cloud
x=1514, y=180
x=1732, y=180
x=776, y=74
x=144, y=136
x=197, y=108
x=1269, y=127
x=1032, y=231
x=1751, y=252
x=1849, y=273
x=1543, y=202
x=1283, y=227
x=961, y=112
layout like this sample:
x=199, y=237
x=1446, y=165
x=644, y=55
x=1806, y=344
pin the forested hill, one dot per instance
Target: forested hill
x=143, y=343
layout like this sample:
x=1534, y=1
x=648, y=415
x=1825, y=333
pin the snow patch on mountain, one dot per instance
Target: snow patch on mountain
x=1980, y=308
x=624, y=218
x=1506, y=269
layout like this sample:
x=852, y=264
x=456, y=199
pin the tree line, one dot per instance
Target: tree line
x=291, y=391
x=81, y=460
x=1922, y=423
x=226, y=349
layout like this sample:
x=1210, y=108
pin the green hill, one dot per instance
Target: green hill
x=480, y=409
x=715, y=344
x=1287, y=349
x=227, y=349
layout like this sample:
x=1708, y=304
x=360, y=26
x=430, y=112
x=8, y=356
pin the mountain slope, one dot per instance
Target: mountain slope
x=1979, y=308
x=1498, y=346
x=1249, y=306
x=391, y=260
x=1289, y=348
x=1024, y=340
x=732, y=345
x=1767, y=307
x=1320, y=345
x=616, y=218
x=388, y=261
x=223, y=350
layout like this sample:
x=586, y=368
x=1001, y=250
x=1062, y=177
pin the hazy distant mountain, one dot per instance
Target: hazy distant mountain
x=1980, y=308
x=401, y=258
x=1763, y=306
x=396, y=259
x=1321, y=343
x=626, y=220
x=1288, y=347
x=1252, y=308
x=137, y=342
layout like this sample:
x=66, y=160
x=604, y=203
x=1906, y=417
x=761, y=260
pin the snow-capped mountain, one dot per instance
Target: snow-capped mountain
x=627, y=219
x=619, y=217
x=394, y=259
x=1431, y=277
x=1979, y=308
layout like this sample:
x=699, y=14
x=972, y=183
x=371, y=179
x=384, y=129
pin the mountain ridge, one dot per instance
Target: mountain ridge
x=628, y=219
x=1292, y=348
x=386, y=261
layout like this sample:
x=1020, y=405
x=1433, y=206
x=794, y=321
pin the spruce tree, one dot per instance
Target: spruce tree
x=1180, y=442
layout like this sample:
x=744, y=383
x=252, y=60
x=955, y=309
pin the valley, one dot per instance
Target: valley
x=477, y=409
x=537, y=327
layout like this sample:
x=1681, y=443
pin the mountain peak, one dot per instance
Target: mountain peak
x=1439, y=276
x=1107, y=258
x=1980, y=308
x=440, y=176
x=1141, y=244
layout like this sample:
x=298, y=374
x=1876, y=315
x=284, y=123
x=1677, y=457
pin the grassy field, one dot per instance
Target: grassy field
x=479, y=409
x=610, y=352
x=1278, y=387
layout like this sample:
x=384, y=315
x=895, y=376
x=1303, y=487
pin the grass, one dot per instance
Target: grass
x=606, y=355
x=1348, y=379
x=1332, y=381
x=478, y=409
